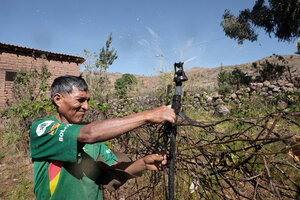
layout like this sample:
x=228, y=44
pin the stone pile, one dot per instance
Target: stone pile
x=204, y=101
x=269, y=90
x=133, y=104
x=266, y=89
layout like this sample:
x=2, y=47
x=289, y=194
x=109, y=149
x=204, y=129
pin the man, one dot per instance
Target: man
x=65, y=151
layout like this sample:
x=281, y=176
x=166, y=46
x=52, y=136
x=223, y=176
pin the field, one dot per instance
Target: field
x=252, y=153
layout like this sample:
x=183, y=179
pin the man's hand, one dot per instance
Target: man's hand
x=120, y=172
x=154, y=162
x=162, y=114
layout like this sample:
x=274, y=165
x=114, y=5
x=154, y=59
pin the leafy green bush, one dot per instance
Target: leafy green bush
x=268, y=71
x=227, y=81
x=123, y=84
x=238, y=78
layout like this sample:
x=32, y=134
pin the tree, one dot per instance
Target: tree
x=96, y=65
x=278, y=17
x=238, y=78
x=224, y=81
x=105, y=58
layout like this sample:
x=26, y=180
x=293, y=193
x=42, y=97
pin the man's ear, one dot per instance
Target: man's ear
x=57, y=99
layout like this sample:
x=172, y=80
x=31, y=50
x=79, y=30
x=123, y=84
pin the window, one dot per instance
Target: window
x=10, y=76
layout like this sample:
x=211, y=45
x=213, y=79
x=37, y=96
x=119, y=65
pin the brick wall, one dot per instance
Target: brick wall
x=10, y=62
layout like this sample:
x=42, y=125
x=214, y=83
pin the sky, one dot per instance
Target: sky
x=148, y=35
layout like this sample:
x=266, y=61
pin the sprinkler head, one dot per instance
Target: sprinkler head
x=179, y=75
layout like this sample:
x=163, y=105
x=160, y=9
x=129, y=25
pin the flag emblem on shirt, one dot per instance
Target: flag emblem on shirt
x=54, y=174
x=54, y=127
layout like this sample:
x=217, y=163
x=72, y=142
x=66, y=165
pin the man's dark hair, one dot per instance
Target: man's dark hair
x=64, y=84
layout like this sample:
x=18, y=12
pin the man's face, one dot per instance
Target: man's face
x=72, y=106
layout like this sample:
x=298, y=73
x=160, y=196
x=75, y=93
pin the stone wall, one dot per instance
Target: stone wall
x=269, y=90
x=205, y=101
x=133, y=104
x=266, y=89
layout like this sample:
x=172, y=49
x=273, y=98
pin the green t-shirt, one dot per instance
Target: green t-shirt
x=61, y=171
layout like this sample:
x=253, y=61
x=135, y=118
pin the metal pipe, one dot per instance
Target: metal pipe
x=179, y=77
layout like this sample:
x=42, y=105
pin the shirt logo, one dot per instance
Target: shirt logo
x=108, y=151
x=62, y=132
x=54, y=127
x=42, y=127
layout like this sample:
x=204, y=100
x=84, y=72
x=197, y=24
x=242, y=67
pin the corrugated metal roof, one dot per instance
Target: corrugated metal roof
x=9, y=48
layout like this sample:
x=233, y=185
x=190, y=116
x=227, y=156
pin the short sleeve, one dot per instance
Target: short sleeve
x=108, y=156
x=54, y=141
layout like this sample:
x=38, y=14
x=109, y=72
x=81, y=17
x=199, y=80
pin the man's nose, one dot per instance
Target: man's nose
x=85, y=105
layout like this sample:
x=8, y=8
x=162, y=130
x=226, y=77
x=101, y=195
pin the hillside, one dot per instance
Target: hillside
x=205, y=78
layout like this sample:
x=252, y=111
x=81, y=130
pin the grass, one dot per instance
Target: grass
x=16, y=171
x=1, y=156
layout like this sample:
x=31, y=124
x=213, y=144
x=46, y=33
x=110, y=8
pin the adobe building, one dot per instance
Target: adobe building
x=13, y=58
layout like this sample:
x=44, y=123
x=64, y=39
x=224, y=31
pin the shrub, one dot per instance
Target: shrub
x=30, y=102
x=239, y=78
x=268, y=71
x=224, y=84
x=124, y=83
